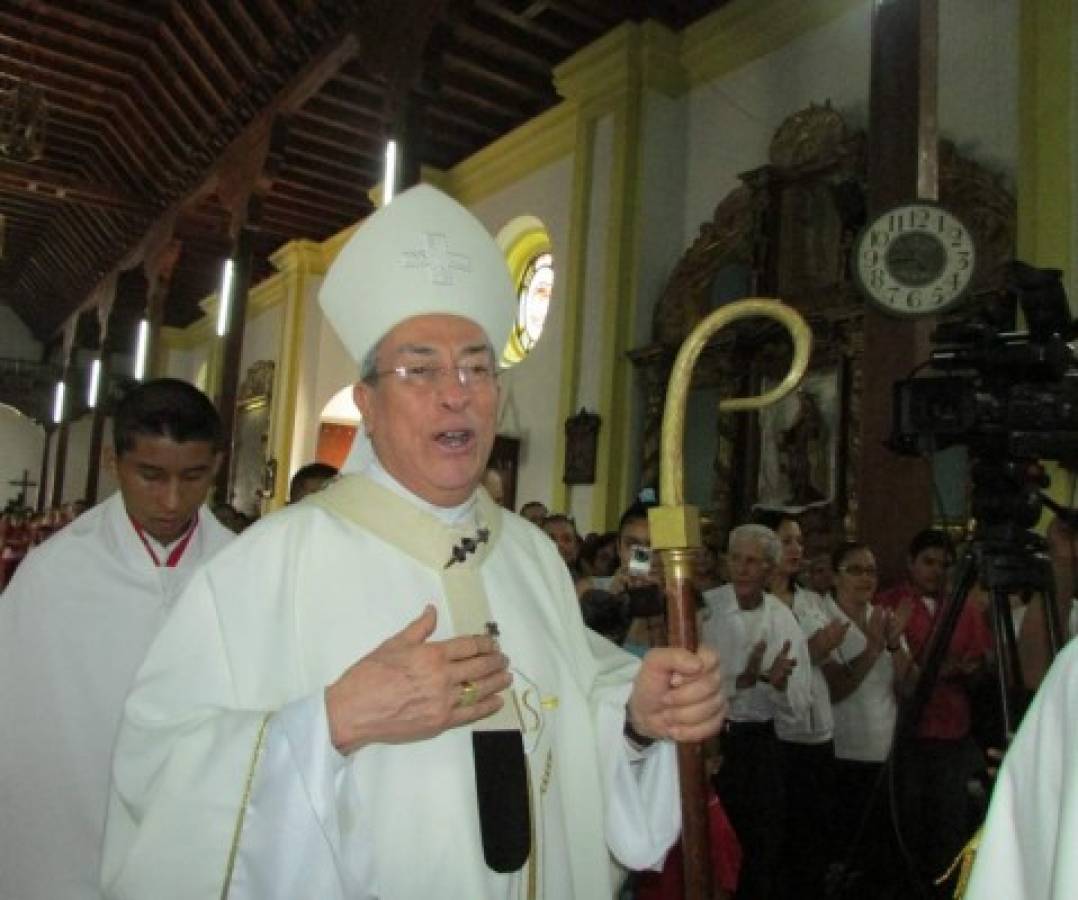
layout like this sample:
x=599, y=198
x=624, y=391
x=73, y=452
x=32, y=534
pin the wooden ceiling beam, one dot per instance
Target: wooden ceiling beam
x=123, y=10
x=307, y=82
x=79, y=21
x=318, y=197
x=192, y=66
x=282, y=23
x=476, y=63
x=74, y=64
x=239, y=9
x=46, y=186
x=515, y=35
x=170, y=80
x=311, y=77
x=79, y=43
x=231, y=81
x=212, y=13
x=308, y=146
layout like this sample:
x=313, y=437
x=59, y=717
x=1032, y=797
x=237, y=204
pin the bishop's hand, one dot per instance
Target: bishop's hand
x=677, y=695
x=410, y=688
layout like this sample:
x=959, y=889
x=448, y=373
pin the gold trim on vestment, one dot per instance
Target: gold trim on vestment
x=233, y=851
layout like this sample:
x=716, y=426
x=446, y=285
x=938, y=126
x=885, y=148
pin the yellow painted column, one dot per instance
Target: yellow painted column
x=610, y=78
x=1046, y=147
x=297, y=262
x=574, y=299
x=1046, y=159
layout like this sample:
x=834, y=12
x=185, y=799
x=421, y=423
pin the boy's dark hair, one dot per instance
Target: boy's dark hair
x=843, y=550
x=165, y=407
x=310, y=472
x=639, y=510
x=555, y=518
x=931, y=538
x=772, y=518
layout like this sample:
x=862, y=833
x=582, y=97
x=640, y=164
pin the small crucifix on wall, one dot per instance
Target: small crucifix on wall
x=23, y=484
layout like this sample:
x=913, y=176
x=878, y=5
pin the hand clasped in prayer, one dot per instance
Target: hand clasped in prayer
x=410, y=687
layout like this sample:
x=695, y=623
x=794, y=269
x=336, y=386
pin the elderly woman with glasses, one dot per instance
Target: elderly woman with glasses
x=865, y=675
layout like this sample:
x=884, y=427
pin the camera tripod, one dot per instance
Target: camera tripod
x=1005, y=558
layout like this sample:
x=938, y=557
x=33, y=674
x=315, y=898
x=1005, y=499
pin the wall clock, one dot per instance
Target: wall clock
x=914, y=260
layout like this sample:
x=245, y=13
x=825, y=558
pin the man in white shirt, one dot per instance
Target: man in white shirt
x=75, y=623
x=758, y=638
x=396, y=696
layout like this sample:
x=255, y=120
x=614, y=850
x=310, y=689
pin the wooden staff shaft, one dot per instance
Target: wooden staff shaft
x=695, y=837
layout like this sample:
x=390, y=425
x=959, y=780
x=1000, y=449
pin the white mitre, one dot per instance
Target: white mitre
x=423, y=253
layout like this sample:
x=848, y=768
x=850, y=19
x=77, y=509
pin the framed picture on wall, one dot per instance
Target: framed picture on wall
x=800, y=439
x=504, y=460
x=581, y=446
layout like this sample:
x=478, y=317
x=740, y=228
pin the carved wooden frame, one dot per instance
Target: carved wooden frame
x=812, y=152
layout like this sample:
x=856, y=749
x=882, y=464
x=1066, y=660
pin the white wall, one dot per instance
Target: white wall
x=732, y=119
x=16, y=341
x=531, y=389
x=190, y=365
x=978, y=80
x=21, y=443
x=261, y=337
x=78, y=457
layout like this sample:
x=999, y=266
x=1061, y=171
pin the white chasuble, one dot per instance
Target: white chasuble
x=75, y=623
x=1029, y=847
x=238, y=674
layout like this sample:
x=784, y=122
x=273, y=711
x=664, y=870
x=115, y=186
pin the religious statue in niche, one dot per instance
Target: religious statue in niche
x=251, y=442
x=798, y=446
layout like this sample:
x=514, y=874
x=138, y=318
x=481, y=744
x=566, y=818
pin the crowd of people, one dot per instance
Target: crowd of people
x=301, y=709
x=828, y=793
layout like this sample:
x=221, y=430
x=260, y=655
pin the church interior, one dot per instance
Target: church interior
x=641, y=164
x=176, y=177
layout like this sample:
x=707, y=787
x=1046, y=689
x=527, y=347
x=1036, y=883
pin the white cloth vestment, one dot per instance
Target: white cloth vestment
x=817, y=726
x=865, y=719
x=296, y=601
x=1029, y=848
x=75, y=623
x=734, y=631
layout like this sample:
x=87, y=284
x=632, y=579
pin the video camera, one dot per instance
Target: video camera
x=1007, y=394
x=1010, y=397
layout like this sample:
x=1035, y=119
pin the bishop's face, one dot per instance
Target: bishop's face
x=163, y=482
x=430, y=431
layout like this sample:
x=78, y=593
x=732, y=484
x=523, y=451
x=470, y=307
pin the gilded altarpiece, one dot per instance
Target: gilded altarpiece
x=786, y=231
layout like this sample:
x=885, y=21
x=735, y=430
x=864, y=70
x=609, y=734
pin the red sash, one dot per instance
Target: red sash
x=176, y=554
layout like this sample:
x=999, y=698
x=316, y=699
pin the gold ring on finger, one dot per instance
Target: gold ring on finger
x=469, y=693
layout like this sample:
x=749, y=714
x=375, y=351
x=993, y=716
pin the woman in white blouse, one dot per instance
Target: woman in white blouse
x=865, y=675
x=805, y=744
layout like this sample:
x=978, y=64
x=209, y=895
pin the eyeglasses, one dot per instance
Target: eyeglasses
x=426, y=377
x=859, y=571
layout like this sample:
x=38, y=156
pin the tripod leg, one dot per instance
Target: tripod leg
x=938, y=644
x=1051, y=611
x=1008, y=664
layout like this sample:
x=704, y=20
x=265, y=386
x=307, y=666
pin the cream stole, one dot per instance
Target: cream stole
x=456, y=554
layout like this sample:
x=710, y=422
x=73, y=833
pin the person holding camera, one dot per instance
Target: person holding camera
x=759, y=639
x=637, y=581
